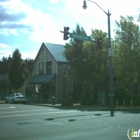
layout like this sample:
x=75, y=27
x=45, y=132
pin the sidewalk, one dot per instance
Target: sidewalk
x=86, y=107
x=90, y=107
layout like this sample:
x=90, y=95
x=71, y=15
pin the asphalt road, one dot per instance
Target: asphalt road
x=29, y=122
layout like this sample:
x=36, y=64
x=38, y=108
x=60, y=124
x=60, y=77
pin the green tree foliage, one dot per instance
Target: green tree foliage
x=7, y=60
x=17, y=70
x=127, y=55
x=97, y=60
x=29, y=64
x=88, y=64
x=75, y=56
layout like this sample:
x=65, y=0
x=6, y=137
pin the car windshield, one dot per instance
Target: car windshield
x=19, y=94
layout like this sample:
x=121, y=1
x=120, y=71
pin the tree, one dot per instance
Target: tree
x=75, y=56
x=29, y=64
x=88, y=64
x=7, y=60
x=17, y=70
x=97, y=59
x=127, y=55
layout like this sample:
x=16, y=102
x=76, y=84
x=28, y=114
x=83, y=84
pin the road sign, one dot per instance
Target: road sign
x=80, y=37
x=64, y=73
x=110, y=52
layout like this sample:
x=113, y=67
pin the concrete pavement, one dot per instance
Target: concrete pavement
x=90, y=107
x=32, y=122
x=86, y=107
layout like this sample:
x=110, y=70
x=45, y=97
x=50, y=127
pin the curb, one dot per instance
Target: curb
x=94, y=108
x=86, y=107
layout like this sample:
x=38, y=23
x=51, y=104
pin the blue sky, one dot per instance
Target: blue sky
x=25, y=24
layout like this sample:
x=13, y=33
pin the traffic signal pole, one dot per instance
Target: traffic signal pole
x=110, y=69
x=110, y=57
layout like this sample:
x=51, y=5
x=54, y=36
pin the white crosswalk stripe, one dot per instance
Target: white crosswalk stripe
x=21, y=115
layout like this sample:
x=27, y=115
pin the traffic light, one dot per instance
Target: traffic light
x=66, y=33
x=99, y=42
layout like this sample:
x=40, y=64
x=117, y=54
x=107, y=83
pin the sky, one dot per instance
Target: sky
x=26, y=24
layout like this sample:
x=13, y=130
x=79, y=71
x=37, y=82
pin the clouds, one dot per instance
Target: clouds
x=3, y=1
x=11, y=17
x=94, y=18
x=6, y=16
x=18, y=16
x=53, y=1
x=27, y=23
x=5, y=50
x=56, y=1
x=13, y=25
x=23, y=24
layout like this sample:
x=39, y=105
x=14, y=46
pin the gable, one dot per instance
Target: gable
x=55, y=50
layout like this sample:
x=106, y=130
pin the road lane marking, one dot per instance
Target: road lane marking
x=21, y=115
x=28, y=111
x=13, y=107
x=8, y=107
x=53, y=123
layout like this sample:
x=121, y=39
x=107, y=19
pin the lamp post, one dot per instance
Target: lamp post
x=110, y=58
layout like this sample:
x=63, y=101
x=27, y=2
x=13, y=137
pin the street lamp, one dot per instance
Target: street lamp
x=110, y=57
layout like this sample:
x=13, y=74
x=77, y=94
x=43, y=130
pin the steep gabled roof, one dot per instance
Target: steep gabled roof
x=56, y=51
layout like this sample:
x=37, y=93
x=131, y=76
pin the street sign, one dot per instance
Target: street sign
x=80, y=37
x=110, y=52
x=64, y=73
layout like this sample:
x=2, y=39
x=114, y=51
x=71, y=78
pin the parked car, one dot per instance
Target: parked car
x=15, y=97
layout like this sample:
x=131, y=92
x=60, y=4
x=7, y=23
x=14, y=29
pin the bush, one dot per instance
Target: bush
x=137, y=101
x=121, y=95
x=86, y=100
x=76, y=96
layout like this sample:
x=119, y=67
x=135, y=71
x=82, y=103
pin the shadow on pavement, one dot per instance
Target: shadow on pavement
x=132, y=112
x=73, y=117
